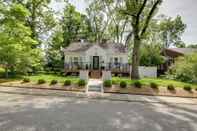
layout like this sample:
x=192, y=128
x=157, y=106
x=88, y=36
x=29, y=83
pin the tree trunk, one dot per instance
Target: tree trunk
x=136, y=58
x=6, y=72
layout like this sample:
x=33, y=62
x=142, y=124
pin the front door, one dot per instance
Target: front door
x=95, y=62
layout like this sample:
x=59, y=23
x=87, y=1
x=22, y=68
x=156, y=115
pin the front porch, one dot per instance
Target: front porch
x=115, y=68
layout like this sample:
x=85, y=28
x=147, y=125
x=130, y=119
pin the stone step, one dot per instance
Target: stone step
x=94, y=88
x=95, y=85
x=95, y=74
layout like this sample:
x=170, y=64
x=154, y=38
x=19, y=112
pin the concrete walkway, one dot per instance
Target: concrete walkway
x=95, y=85
x=112, y=97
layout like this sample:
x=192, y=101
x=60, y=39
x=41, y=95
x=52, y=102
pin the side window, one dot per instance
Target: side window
x=76, y=60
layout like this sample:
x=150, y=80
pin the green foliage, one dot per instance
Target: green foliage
x=26, y=80
x=74, y=25
x=171, y=31
x=137, y=84
x=67, y=82
x=81, y=83
x=107, y=83
x=41, y=81
x=153, y=85
x=123, y=84
x=187, y=88
x=184, y=69
x=53, y=82
x=171, y=87
x=151, y=55
x=192, y=46
x=16, y=39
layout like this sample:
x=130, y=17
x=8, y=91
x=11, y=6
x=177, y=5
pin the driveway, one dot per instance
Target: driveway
x=52, y=113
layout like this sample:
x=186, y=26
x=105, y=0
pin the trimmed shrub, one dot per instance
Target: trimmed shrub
x=153, y=85
x=171, y=87
x=67, y=82
x=26, y=80
x=123, y=84
x=137, y=84
x=53, y=82
x=187, y=88
x=81, y=83
x=41, y=81
x=107, y=83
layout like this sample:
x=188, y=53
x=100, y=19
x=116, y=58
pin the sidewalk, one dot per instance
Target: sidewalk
x=105, y=96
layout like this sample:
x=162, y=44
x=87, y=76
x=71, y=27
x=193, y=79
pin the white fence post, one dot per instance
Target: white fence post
x=83, y=75
x=106, y=75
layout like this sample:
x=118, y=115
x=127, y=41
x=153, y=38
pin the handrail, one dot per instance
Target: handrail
x=102, y=66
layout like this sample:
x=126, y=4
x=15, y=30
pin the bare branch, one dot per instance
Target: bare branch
x=149, y=16
x=140, y=11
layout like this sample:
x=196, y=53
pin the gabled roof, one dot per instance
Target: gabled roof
x=183, y=51
x=83, y=46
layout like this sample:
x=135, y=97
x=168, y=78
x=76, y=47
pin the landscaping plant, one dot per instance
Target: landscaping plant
x=153, y=85
x=171, y=87
x=81, y=83
x=184, y=69
x=53, y=82
x=137, y=84
x=123, y=84
x=107, y=83
x=67, y=82
x=187, y=88
x=41, y=81
x=26, y=80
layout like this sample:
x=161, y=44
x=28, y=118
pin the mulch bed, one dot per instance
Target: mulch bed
x=58, y=86
x=161, y=91
x=145, y=90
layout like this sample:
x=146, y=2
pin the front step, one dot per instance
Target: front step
x=95, y=85
x=96, y=74
x=94, y=88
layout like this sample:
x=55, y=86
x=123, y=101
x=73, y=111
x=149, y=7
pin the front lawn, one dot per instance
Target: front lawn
x=147, y=81
x=50, y=77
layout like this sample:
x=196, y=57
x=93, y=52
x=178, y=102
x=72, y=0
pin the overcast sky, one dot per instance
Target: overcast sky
x=186, y=8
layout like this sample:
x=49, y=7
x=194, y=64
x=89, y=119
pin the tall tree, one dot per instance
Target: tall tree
x=171, y=31
x=74, y=25
x=41, y=18
x=16, y=53
x=140, y=13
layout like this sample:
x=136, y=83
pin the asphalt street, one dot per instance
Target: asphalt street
x=50, y=113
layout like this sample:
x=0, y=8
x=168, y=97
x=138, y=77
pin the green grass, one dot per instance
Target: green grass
x=49, y=77
x=115, y=80
x=158, y=81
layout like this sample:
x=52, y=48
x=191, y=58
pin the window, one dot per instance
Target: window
x=76, y=60
x=115, y=60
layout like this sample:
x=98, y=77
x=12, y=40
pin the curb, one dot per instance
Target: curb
x=78, y=91
x=75, y=95
x=146, y=94
x=42, y=88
